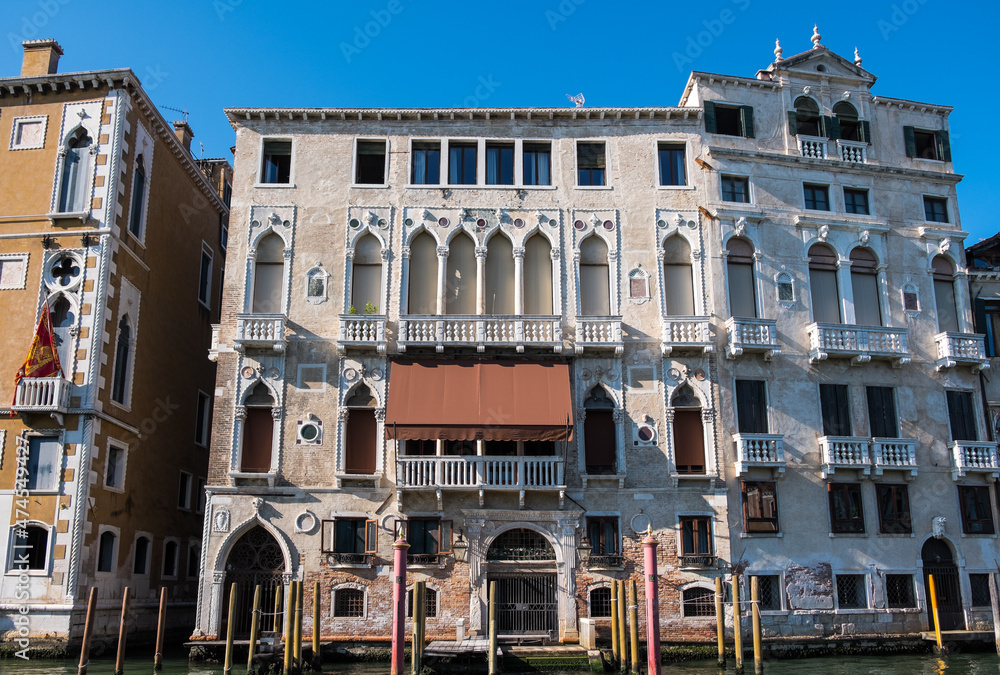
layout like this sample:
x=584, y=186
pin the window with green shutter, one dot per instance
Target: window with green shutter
x=729, y=120
x=927, y=144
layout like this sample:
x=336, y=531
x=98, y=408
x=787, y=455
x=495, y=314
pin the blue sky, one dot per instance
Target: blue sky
x=206, y=55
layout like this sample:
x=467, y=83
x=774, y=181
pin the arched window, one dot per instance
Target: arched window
x=107, y=552
x=864, y=281
x=944, y=294
x=847, y=116
x=537, y=286
x=678, y=279
x=138, y=197
x=600, y=603
x=422, y=285
x=600, y=436
x=698, y=602
x=430, y=603
x=595, y=279
x=140, y=563
x=34, y=548
x=170, y=559
x=366, y=281
x=348, y=603
x=63, y=320
x=269, y=276
x=123, y=351
x=739, y=265
x=74, y=188
x=361, y=435
x=258, y=431
x=689, y=432
x=460, y=281
x=806, y=117
x=823, y=284
x=499, y=275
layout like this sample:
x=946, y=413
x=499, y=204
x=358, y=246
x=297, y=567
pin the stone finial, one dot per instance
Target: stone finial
x=816, y=36
x=778, y=51
x=857, y=58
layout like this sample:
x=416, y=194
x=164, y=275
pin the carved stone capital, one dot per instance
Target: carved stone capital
x=405, y=252
x=581, y=414
x=276, y=413
x=241, y=412
x=481, y=253
x=349, y=253
x=380, y=414
x=618, y=415
x=343, y=414
x=442, y=251
x=555, y=253
x=519, y=253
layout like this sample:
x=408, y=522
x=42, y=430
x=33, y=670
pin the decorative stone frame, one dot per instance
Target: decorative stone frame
x=265, y=220
x=590, y=589
x=594, y=225
x=371, y=372
x=128, y=308
x=431, y=586
x=642, y=276
x=869, y=595
x=60, y=436
x=676, y=374
x=692, y=585
x=950, y=248
x=18, y=122
x=268, y=370
x=317, y=271
x=783, y=278
x=124, y=448
x=177, y=559
x=12, y=259
x=377, y=221
x=149, y=554
x=144, y=147
x=606, y=373
x=354, y=586
x=84, y=115
x=9, y=567
x=688, y=226
x=114, y=553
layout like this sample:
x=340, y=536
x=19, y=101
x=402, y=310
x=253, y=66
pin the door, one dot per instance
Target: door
x=361, y=442
x=526, y=605
x=938, y=560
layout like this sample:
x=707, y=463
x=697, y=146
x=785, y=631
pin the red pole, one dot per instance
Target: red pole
x=398, y=604
x=652, y=605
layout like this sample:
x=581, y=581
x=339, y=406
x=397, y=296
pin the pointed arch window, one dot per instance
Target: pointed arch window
x=361, y=433
x=678, y=277
x=123, y=356
x=537, y=275
x=269, y=276
x=63, y=321
x=823, y=284
x=138, y=197
x=742, y=288
x=595, y=278
x=689, y=432
x=422, y=282
x=499, y=276
x=74, y=185
x=600, y=434
x=944, y=294
x=460, y=282
x=258, y=431
x=366, y=275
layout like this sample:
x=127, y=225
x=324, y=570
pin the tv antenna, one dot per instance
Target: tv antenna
x=183, y=112
x=578, y=99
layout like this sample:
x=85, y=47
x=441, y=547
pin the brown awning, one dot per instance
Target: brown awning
x=466, y=400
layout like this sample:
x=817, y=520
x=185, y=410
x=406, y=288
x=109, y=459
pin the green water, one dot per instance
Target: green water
x=956, y=664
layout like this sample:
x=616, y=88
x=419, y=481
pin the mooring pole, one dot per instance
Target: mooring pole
x=254, y=627
x=491, y=660
x=299, y=607
x=161, y=625
x=278, y=609
x=122, y=633
x=399, y=548
x=622, y=625
x=737, y=624
x=720, y=623
x=633, y=625
x=652, y=604
x=289, y=629
x=230, y=620
x=423, y=619
x=416, y=649
x=934, y=609
x=317, y=655
x=614, y=623
x=88, y=627
x=995, y=604
x=758, y=655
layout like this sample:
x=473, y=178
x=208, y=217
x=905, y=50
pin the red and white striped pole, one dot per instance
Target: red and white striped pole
x=652, y=605
x=398, y=604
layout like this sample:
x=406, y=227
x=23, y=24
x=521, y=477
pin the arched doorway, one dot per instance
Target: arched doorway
x=255, y=559
x=939, y=561
x=522, y=562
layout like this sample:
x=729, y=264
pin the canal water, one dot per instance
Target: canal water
x=956, y=664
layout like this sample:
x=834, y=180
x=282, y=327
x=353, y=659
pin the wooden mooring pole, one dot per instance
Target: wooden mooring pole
x=88, y=627
x=633, y=625
x=758, y=655
x=995, y=604
x=230, y=620
x=417, y=648
x=122, y=633
x=289, y=629
x=254, y=628
x=161, y=626
x=278, y=609
x=934, y=610
x=614, y=624
x=491, y=658
x=720, y=623
x=299, y=607
x=317, y=652
x=737, y=625
x=622, y=627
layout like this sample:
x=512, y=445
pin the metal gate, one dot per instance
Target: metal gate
x=526, y=604
x=255, y=559
x=949, y=597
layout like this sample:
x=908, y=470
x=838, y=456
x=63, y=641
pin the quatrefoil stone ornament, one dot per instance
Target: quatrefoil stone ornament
x=66, y=271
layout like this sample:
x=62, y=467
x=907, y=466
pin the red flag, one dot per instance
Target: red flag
x=43, y=359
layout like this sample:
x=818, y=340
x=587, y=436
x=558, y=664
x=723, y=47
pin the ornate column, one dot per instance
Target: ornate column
x=480, y=280
x=442, y=253
x=846, y=288
x=349, y=277
x=519, y=280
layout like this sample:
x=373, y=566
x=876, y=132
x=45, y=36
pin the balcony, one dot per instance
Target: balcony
x=350, y=559
x=974, y=457
x=961, y=348
x=855, y=152
x=604, y=332
x=260, y=331
x=845, y=452
x=812, y=146
x=602, y=561
x=451, y=472
x=759, y=451
x=480, y=332
x=362, y=332
x=859, y=343
x=424, y=560
x=752, y=335
x=894, y=453
x=686, y=333
x=42, y=395
x=699, y=561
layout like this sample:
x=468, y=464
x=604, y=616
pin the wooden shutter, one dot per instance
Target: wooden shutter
x=361, y=441
x=793, y=123
x=911, y=142
x=882, y=413
x=599, y=437
x=825, y=295
x=258, y=437
x=746, y=120
x=710, y=125
x=835, y=408
x=751, y=406
x=864, y=131
x=943, y=145
x=831, y=126
x=371, y=536
x=742, y=300
x=689, y=441
x=445, y=529
x=960, y=413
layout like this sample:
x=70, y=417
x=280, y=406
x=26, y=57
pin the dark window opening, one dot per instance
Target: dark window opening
x=806, y=117
x=817, y=197
x=899, y=591
x=893, y=508
x=277, y=163
x=961, y=414
x=856, y=201
x=427, y=536
x=140, y=564
x=170, y=559
x=926, y=142
x=977, y=511
x=836, y=409
x=846, y=511
x=348, y=603
x=760, y=507
x=751, y=406
x=736, y=189
x=106, y=552
x=936, y=209
x=590, y=164
x=979, y=585
x=698, y=602
x=769, y=592
x=672, y=170
x=882, y=419
x=430, y=603
x=603, y=535
x=600, y=603
x=370, y=167
x=851, y=592
x=696, y=535
x=35, y=547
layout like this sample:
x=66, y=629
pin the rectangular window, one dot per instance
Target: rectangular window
x=899, y=591
x=977, y=511
x=114, y=473
x=427, y=536
x=223, y=233
x=227, y=195
x=979, y=585
x=893, y=508
x=769, y=592
x=138, y=200
x=936, y=209
x=851, y=592
x=201, y=425
x=184, y=491
x=276, y=165
x=199, y=498
x=817, y=197
x=736, y=189
x=499, y=163
x=846, y=512
x=43, y=463
x=590, y=164
x=370, y=164
x=349, y=535
x=926, y=143
x=603, y=535
x=672, y=171
x=760, y=507
x=205, y=278
x=751, y=406
x=349, y=603
x=730, y=120
x=462, y=163
x=882, y=420
x=962, y=417
x=836, y=409
x=696, y=535
x=537, y=163
x=426, y=168
x=856, y=201
x=193, y=560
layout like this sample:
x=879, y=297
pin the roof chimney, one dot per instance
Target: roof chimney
x=184, y=134
x=41, y=57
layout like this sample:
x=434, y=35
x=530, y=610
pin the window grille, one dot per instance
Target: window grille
x=348, y=603
x=851, y=591
x=520, y=544
x=600, y=603
x=769, y=592
x=699, y=602
x=980, y=586
x=899, y=591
